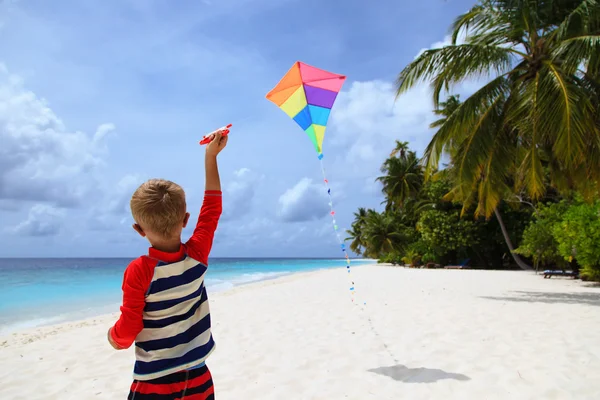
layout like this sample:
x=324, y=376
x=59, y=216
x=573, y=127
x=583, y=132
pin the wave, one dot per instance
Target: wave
x=20, y=321
x=218, y=285
x=29, y=324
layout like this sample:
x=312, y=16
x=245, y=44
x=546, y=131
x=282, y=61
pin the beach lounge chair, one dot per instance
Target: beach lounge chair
x=550, y=273
x=462, y=265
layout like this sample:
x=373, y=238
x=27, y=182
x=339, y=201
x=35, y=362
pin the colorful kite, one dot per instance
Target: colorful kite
x=306, y=94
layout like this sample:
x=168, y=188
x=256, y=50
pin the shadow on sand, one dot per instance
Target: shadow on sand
x=593, y=299
x=417, y=375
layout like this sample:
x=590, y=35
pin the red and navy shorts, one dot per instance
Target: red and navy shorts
x=193, y=384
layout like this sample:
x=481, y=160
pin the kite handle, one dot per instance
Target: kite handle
x=206, y=139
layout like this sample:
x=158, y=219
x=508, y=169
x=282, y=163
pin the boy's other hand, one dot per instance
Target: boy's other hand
x=217, y=144
x=112, y=342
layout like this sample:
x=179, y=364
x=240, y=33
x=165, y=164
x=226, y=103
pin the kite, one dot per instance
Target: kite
x=306, y=94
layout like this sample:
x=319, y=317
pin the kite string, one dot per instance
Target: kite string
x=337, y=231
x=350, y=278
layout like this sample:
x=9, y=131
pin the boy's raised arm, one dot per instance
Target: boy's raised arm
x=202, y=238
x=213, y=181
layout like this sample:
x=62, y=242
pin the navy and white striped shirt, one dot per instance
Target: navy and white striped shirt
x=165, y=305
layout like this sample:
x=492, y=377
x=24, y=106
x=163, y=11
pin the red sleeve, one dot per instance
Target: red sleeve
x=136, y=282
x=201, y=241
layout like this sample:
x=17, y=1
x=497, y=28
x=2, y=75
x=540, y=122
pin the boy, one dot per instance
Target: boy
x=165, y=306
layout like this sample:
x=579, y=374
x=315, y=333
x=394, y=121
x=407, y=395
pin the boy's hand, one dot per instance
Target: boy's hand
x=112, y=342
x=217, y=144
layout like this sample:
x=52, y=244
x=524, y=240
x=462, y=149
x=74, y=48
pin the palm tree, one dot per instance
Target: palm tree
x=361, y=216
x=381, y=234
x=445, y=110
x=356, y=233
x=537, y=109
x=536, y=114
x=400, y=150
x=403, y=176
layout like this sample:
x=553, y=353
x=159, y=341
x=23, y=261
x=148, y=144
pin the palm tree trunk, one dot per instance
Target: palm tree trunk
x=515, y=256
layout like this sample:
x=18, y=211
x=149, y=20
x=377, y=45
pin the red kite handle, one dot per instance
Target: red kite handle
x=207, y=139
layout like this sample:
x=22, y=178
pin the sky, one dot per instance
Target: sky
x=97, y=97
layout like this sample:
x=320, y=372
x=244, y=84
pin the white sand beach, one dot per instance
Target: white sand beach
x=432, y=334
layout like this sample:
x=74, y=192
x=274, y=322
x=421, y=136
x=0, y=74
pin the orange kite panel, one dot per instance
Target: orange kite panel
x=280, y=97
x=292, y=79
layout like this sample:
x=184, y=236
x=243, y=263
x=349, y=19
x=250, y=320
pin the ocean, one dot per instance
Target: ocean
x=43, y=291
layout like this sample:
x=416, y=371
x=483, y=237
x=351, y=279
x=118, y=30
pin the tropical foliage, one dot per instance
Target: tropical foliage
x=566, y=235
x=425, y=228
x=539, y=242
x=534, y=123
x=403, y=176
x=524, y=147
x=578, y=237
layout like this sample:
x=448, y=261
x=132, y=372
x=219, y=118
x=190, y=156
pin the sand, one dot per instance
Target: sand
x=425, y=334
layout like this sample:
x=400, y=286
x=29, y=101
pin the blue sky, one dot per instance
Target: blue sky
x=96, y=97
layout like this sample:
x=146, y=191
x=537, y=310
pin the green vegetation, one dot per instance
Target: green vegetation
x=420, y=226
x=524, y=148
x=565, y=235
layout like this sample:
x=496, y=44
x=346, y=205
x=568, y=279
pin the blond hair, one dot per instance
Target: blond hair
x=159, y=206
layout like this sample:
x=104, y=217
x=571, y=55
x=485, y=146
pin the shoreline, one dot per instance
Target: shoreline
x=211, y=293
x=221, y=292
x=215, y=284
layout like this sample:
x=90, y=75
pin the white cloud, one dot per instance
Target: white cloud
x=304, y=202
x=112, y=208
x=368, y=119
x=239, y=193
x=43, y=220
x=119, y=197
x=40, y=159
x=49, y=168
x=102, y=131
x=443, y=43
x=371, y=187
x=241, y=172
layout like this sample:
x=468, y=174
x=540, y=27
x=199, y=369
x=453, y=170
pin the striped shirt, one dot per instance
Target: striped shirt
x=165, y=305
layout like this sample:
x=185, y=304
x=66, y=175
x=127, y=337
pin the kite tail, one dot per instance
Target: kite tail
x=337, y=231
x=351, y=280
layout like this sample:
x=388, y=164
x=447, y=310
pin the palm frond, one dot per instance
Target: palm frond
x=475, y=150
x=565, y=109
x=537, y=120
x=571, y=53
x=452, y=64
x=481, y=18
x=524, y=114
x=445, y=109
x=461, y=121
x=583, y=20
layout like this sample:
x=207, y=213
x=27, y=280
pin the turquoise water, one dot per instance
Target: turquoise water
x=41, y=291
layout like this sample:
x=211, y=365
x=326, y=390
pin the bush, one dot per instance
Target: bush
x=391, y=258
x=415, y=253
x=538, y=240
x=578, y=238
x=444, y=232
x=565, y=233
